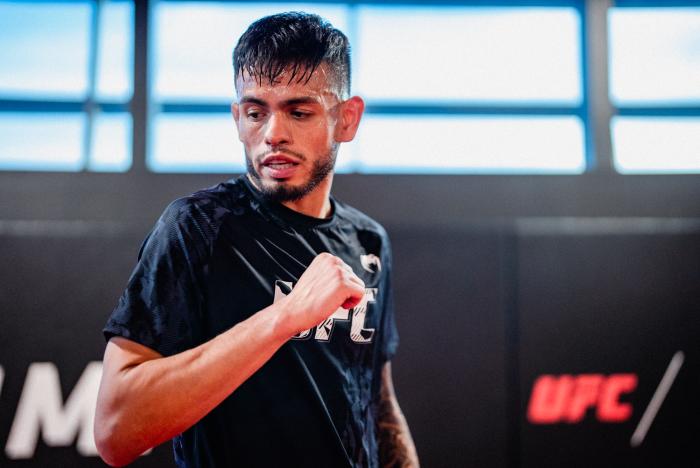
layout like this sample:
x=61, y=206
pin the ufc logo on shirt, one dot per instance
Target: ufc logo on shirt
x=324, y=330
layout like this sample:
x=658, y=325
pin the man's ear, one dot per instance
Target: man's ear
x=349, y=119
x=235, y=112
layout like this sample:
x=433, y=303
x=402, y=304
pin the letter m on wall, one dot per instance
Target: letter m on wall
x=41, y=410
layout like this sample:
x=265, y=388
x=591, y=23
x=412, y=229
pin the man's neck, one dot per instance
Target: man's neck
x=317, y=203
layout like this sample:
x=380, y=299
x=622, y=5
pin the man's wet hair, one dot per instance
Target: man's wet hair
x=297, y=41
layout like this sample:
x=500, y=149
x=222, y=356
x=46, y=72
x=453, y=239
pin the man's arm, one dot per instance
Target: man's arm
x=396, y=448
x=146, y=399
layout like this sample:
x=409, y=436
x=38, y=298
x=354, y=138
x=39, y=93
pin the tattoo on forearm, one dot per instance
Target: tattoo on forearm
x=396, y=448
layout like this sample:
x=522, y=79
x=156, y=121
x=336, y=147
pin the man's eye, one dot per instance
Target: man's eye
x=297, y=114
x=254, y=115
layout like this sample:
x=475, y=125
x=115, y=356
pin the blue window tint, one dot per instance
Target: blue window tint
x=513, y=55
x=111, y=143
x=660, y=144
x=116, y=51
x=654, y=55
x=418, y=144
x=45, y=142
x=195, y=143
x=44, y=51
x=197, y=65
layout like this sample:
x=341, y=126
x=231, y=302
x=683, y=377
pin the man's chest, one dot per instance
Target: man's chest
x=250, y=270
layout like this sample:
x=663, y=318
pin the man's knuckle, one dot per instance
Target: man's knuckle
x=320, y=257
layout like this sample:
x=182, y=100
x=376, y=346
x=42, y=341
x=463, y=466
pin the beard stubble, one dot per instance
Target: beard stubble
x=283, y=192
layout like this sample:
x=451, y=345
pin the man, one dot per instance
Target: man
x=257, y=327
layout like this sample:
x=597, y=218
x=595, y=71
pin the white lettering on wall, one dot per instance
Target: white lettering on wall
x=40, y=410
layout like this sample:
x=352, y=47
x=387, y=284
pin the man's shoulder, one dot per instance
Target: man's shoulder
x=208, y=205
x=199, y=215
x=359, y=219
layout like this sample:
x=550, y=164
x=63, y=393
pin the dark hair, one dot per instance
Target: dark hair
x=295, y=40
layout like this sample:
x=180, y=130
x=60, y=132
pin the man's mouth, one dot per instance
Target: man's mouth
x=279, y=166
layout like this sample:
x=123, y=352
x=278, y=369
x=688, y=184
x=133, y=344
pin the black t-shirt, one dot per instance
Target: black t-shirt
x=220, y=255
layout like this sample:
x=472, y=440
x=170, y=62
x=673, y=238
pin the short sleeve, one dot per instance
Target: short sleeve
x=389, y=335
x=164, y=293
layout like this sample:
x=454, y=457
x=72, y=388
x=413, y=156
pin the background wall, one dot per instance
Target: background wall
x=498, y=282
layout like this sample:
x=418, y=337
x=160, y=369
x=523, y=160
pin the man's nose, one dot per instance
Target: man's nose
x=277, y=130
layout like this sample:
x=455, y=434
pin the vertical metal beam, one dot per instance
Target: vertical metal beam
x=139, y=101
x=90, y=106
x=600, y=110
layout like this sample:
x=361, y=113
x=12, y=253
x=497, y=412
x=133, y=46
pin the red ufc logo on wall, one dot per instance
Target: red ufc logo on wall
x=566, y=398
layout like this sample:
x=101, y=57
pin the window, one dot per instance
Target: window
x=195, y=142
x=434, y=103
x=469, y=144
x=65, y=84
x=654, y=84
x=481, y=55
x=488, y=87
x=43, y=141
x=656, y=144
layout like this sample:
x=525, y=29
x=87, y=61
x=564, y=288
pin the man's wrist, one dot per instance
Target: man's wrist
x=281, y=315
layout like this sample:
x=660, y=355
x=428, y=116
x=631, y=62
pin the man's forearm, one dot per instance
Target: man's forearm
x=396, y=447
x=146, y=402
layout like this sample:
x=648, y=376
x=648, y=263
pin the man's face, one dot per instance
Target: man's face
x=290, y=132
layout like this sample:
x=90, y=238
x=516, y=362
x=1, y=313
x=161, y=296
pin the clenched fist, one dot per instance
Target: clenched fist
x=328, y=283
